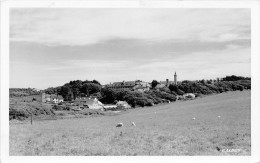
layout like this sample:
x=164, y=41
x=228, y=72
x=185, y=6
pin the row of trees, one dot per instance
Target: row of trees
x=205, y=88
x=79, y=88
x=136, y=98
x=155, y=96
x=76, y=88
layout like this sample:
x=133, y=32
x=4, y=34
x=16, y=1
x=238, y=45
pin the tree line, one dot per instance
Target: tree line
x=79, y=88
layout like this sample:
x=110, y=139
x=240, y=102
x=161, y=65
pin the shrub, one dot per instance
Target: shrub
x=18, y=114
x=180, y=92
x=164, y=95
x=22, y=110
x=165, y=89
x=173, y=87
x=240, y=87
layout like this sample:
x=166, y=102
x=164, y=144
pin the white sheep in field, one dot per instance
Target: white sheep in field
x=133, y=124
x=193, y=118
x=120, y=125
x=219, y=116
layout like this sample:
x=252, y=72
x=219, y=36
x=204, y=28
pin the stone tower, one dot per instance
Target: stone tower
x=175, y=78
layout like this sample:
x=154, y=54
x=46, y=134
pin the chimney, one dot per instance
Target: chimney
x=167, y=82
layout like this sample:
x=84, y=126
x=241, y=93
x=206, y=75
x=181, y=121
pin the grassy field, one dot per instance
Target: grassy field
x=166, y=129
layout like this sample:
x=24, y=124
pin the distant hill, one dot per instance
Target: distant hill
x=21, y=92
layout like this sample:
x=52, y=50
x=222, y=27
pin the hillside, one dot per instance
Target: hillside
x=21, y=92
x=23, y=102
x=78, y=88
x=160, y=130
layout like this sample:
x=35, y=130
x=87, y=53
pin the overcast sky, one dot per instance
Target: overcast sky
x=49, y=47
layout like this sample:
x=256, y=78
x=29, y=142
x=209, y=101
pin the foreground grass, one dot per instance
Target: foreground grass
x=160, y=130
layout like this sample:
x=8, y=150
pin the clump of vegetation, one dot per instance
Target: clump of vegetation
x=22, y=110
x=170, y=131
x=136, y=98
x=76, y=88
x=209, y=87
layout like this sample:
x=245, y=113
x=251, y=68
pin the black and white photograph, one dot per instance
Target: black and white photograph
x=151, y=81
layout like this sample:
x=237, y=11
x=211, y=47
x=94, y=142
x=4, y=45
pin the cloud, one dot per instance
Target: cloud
x=87, y=65
x=127, y=44
x=116, y=49
x=56, y=27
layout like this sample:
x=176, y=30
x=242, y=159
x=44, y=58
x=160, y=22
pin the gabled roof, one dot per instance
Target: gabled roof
x=132, y=83
x=87, y=101
x=126, y=83
x=117, y=83
x=121, y=103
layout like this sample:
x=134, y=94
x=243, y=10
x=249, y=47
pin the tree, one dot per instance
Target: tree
x=96, y=82
x=90, y=88
x=76, y=92
x=120, y=95
x=64, y=90
x=50, y=90
x=209, y=81
x=108, y=95
x=240, y=87
x=180, y=92
x=173, y=87
x=70, y=95
x=233, y=78
x=154, y=83
x=203, y=81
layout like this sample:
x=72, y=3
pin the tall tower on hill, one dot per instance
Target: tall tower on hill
x=175, y=78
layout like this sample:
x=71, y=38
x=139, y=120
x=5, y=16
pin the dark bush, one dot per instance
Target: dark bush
x=240, y=87
x=18, y=114
x=180, y=92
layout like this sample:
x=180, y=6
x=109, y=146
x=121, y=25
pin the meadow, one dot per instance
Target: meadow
x=222, y=124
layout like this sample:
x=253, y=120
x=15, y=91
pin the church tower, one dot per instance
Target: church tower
x=175, y=78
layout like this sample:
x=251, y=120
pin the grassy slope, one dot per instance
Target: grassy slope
x=160, y=130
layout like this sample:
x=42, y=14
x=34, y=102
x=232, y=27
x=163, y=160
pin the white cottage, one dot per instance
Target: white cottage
x=91, y=103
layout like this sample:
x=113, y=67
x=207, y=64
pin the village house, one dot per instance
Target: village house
x=122, y=105
x=88, y=102
x=130, y=85
x=52, y=98
x=142, y=86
